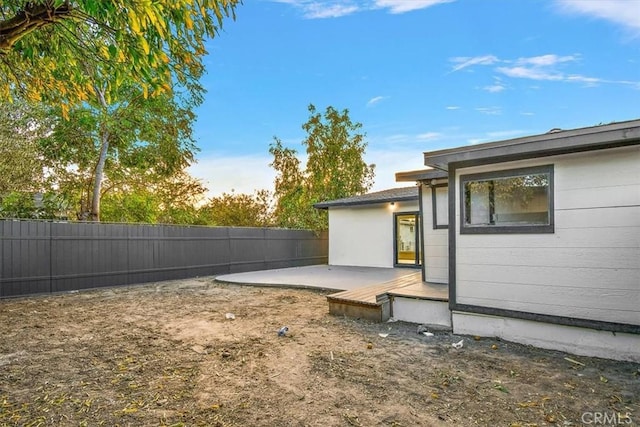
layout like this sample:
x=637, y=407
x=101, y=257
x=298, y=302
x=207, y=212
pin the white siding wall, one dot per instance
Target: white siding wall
x=436, y=243
x=589, y=268
x=363, y=236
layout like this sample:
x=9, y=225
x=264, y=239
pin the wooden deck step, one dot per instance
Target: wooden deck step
x=369, y=302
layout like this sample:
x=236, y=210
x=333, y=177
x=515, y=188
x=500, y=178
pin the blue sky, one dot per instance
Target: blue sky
x=420, y=75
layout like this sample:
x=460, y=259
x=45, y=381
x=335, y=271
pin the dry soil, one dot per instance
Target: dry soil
x=168, y=354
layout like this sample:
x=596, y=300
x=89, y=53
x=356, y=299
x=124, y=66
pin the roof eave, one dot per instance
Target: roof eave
x=420, y=175
x=366, y=202
x=585, y=139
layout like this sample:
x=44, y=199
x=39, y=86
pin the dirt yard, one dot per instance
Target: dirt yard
x=166, y=354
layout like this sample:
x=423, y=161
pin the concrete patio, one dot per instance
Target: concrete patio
x=328, y=277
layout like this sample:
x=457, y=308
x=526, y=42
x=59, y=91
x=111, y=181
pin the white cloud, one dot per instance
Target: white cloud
x=546, y=60
x=537, y=67
x=375, y=100
x=621, y=12
x=527, y=113
x=428, y=136
x=452, y=107
x=490, y=111
x=388, y=162
x=463, y=62
x=541, y=68
x=244, y=174
x=323, y=9
x=402, y=6
x=534, y=73
x=319, y=9
x=494, y=88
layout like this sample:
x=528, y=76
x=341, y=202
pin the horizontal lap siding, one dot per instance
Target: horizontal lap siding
x=589, y=268
x=436, y=243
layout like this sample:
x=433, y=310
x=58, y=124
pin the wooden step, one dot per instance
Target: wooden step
x=369, y=302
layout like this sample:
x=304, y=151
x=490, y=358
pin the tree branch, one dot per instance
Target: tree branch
x=31, y=17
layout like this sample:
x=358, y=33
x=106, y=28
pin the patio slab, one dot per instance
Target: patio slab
x=329, y=277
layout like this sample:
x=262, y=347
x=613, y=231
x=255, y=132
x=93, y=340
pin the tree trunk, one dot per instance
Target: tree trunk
x=99, y=171
x=98, y=176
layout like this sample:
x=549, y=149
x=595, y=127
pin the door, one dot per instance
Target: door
x=407, y=239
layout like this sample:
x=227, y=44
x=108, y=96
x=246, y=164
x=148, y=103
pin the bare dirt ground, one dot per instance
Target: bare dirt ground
x=166, y=354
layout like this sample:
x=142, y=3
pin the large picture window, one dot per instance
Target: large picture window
x=511, y=201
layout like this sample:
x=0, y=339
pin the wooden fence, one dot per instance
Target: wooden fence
x=44, y=257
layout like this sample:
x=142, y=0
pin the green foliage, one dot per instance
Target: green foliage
x=239, y=210
x=32, y=205
x=335, y=169
x=170, y=200
x=20, y=127
x=135, y=141
x=47, y=46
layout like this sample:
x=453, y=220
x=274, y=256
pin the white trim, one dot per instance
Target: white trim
x=570, y=339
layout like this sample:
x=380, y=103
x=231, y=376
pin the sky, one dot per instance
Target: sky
x=419, y=75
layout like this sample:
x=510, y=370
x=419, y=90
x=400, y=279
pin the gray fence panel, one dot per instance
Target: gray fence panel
x=41, y=257
x=88, y=256
x=247, y=249
x=25, y=258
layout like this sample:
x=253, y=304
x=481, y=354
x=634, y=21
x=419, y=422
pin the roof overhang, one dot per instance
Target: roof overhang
x=420, y=175
x=405, y=194
x=548, y=144
x=327, y=205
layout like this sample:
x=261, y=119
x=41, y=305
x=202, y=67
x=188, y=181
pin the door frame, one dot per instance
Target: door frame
x=417, y=237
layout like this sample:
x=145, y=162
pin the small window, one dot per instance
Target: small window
x=511, y=201
x=440, y=206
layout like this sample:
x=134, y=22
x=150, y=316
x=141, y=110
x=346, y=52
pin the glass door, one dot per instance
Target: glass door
x=407, y=239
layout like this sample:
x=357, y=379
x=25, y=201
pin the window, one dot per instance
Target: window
x=511, y=201
x=440, y=206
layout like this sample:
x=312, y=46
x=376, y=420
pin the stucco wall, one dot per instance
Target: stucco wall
x=363, y=236
x=588, y=268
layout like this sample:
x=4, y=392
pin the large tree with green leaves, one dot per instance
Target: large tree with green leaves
x=171, y=200
x=335, y=169
x=238, y=210
x=130, y=140
x=21, y=126
x=47, y=46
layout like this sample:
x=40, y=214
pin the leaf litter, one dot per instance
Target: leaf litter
x=162, y=354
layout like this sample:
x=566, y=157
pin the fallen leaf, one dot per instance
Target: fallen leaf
x=501, y=388
x=568, y=359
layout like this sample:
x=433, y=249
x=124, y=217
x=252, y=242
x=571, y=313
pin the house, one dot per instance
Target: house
x=376, y=229
x=537, y=238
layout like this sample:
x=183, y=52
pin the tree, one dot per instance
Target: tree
x=20, y=128
x=239, y=210
x=289, y=186
x=132, y=142
x=170, y=200
x=335, y=169
x=46, y=46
